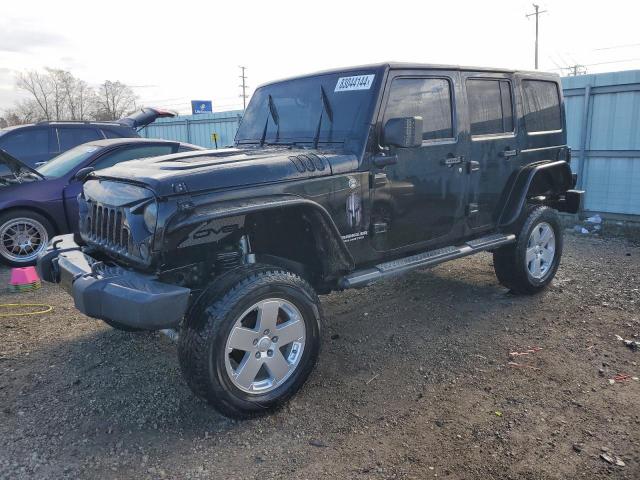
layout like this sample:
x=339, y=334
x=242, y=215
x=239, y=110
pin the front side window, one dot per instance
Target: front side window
x=131, y=153
x=429, y=98
x=541, y=106
x=490, y=106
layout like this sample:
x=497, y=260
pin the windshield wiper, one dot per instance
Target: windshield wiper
x=326, y=107
x=273, y=113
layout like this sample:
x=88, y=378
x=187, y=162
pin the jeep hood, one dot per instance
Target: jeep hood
x=13, y=170
x=227, y=168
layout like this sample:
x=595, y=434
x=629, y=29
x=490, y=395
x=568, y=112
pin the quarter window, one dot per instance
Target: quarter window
x=429, y=98
x=541, y=106
x=490, y=106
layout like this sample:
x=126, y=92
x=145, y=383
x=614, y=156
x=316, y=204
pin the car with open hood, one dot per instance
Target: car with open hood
x=37, y=203
x=336, y=180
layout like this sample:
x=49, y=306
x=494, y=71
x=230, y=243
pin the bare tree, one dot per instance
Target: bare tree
x=24, y=111
x=38, y=85
x=58, y=95
x=115, y=99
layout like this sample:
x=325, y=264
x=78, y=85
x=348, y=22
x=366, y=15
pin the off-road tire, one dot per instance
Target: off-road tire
x=510, y=261
x=208, y=324
x=31, y=215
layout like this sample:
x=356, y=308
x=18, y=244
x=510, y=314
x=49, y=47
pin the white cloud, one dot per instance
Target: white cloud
x=192, y=49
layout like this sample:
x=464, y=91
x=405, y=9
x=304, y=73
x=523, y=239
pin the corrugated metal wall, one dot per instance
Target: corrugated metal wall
x=603, y=126
x=197, y=129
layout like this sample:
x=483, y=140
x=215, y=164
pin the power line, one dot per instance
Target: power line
x=244, y=88
x=601, y=63
x=618, y=46
x=537, y=13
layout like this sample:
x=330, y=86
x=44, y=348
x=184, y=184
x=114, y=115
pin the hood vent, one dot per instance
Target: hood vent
x=307, y=162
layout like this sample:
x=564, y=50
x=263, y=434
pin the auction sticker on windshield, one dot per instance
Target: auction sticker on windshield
x=357, y=82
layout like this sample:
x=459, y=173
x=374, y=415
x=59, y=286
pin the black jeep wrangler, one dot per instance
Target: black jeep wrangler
x=336, y=180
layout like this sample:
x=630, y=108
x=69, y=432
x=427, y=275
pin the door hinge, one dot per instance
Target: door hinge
x=472, y=209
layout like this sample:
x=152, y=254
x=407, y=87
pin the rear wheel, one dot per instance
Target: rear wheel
x=23, y=235
x=529, y=265
x=250, y=344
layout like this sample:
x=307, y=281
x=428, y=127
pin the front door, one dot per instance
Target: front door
x=419, y=200
x=493, y=146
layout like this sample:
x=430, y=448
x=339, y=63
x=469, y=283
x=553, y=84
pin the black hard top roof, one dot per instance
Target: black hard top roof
x=418, y=66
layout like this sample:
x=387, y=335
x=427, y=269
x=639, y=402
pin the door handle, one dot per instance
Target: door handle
x=509, y=153
x=451, y=160
x=382, y=161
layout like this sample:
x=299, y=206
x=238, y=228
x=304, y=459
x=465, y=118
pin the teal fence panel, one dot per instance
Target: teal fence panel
x=197, y=129
x=603, y=129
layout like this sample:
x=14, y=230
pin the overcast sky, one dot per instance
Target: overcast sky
x=176, y=51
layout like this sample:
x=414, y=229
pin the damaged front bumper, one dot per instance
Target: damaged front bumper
x=110, y=292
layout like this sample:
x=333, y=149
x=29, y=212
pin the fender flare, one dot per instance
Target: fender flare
x=516, y=197
x=331, y=240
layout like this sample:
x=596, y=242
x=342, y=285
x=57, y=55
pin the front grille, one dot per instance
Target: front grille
x=106, y=226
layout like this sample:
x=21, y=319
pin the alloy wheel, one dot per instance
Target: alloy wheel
x=265, y=346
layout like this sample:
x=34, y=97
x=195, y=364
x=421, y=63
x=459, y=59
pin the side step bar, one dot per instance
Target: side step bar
x=362, y=278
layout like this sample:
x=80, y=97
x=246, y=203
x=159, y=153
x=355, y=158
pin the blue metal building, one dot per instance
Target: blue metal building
x=201, y=129
x=603, y=126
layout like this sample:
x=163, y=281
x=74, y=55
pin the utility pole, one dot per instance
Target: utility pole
x=244, y=88
x=537, y=13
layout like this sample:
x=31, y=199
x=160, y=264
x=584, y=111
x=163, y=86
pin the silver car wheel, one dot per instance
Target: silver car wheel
x=265, y=346
x=21, y=239
x=541, y=250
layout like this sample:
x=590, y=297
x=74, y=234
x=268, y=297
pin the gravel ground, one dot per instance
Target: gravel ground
x=414, y=382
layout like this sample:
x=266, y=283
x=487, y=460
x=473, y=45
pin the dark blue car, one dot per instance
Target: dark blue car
x=36, y=143
x=36, y=204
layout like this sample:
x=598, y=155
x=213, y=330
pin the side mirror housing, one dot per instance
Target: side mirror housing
x=403, y=132
x=83, y=173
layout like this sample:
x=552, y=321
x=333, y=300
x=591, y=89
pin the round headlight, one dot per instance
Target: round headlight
x=151, y=216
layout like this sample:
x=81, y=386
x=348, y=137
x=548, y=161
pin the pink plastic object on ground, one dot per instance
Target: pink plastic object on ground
x=24, y=276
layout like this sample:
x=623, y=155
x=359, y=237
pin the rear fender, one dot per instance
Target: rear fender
x=547, y=178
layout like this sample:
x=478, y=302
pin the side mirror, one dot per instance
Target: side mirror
x=403, y=132
x=83, y=173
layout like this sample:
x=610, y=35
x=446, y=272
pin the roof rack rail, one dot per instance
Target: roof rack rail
x=80, y=122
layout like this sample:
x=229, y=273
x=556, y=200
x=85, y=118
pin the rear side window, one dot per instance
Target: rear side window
x=429, y=98
x=541, y=106
x=132, y=153
x=71, y=137
x=31, y=141
x=490, y=106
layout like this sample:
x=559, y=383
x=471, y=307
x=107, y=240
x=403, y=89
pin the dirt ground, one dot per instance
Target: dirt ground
x=414, y=382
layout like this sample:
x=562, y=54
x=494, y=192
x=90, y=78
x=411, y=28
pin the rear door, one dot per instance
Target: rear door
x=493, y=151
x=69, y=137
x=418, y=201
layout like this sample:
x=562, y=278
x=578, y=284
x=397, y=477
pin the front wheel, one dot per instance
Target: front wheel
x=529, y=265
x=250, y=343
x=23, y=235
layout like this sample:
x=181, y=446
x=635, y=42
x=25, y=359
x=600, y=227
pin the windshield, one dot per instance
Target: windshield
x=332, y=108
x=67, y=161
